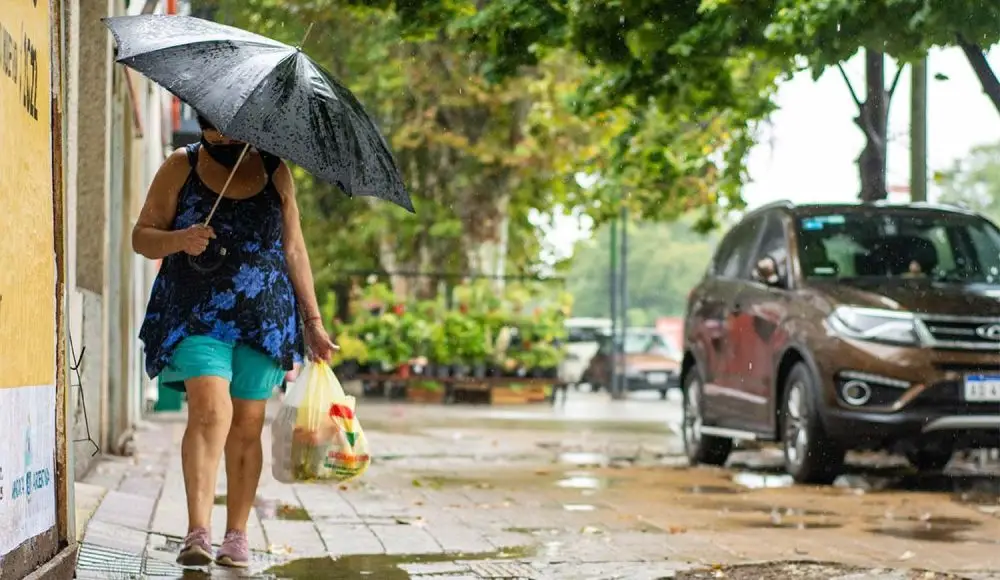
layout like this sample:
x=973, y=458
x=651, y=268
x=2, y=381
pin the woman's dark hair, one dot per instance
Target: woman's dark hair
x=205, y=124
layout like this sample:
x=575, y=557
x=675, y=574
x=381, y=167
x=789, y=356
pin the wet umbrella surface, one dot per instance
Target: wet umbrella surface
x=265, y=93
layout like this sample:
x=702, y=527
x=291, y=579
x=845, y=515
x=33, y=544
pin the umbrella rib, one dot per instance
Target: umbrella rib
x=276, y=46
x=260, y=83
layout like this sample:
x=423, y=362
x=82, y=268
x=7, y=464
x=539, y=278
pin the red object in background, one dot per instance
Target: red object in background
x=463, y=308
x=399, y=309
x=672, y=327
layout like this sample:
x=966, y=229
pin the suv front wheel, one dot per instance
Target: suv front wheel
x=810, y=456
x=700, y=448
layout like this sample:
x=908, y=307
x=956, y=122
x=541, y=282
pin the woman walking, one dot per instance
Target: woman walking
x=232, y=309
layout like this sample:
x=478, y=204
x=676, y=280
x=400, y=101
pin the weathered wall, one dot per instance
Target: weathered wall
x=28, y=289
x=88, y=82
x=89, y=395
x=94, y=109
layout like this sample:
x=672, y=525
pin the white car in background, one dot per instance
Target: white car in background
x=582, y=341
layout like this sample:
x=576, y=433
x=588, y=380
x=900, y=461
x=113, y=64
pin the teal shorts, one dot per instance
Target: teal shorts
x=252, y=375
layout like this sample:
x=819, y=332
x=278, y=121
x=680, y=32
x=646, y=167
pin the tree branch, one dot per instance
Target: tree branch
x=895, y=82
x=850, y=87
x=987, y=78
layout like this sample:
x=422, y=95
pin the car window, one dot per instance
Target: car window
x=900, y=244
x=734, y=252
x=583, y=334
x=774, y=244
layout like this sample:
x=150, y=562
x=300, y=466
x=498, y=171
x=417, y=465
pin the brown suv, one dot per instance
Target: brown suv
x=839, y=327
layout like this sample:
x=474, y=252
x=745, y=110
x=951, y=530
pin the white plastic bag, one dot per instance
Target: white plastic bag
x=316, y=435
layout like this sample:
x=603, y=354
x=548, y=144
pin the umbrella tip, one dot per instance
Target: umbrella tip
x=305, y=37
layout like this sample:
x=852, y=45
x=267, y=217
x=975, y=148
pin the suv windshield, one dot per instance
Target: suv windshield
x=900, y=245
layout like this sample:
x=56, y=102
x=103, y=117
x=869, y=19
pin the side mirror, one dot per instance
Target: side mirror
x=765, y=271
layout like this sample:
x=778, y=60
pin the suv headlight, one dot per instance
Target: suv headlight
x=875, y=325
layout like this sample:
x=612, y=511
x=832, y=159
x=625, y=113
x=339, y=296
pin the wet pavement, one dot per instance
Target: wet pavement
x=595, y=489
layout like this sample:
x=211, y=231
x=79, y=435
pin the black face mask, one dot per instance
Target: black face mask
x=225, y=155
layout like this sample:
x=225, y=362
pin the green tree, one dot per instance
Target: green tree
x=974, y=182
x=477, y=156
x=724, y=56
x=665, y=262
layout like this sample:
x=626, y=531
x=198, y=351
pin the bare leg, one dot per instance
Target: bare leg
x=244, y=460
x=210, y=412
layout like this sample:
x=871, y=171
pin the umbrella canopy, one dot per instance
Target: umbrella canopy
x=266, y=93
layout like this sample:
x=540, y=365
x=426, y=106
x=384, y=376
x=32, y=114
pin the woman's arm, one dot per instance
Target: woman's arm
x=299, y=269
x=295, y=245
x=152, y=236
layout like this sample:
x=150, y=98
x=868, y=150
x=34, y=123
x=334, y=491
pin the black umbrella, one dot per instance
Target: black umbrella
x=265, y=93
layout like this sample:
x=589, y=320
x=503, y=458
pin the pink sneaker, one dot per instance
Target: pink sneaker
x=235, y=550
x=197, y=549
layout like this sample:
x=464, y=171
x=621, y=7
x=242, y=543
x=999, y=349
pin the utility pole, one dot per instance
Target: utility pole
x=918, y=131
x=613, y=287
x=623, y=302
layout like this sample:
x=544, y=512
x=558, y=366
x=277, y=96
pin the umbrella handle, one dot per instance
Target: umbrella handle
x=226, y=186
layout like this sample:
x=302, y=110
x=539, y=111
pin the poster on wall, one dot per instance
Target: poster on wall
x=27, y=275
x=27, y=468
x=27, y=254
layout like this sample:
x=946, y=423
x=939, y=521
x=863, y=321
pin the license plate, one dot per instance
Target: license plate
x=982, y=389
x=656, y=378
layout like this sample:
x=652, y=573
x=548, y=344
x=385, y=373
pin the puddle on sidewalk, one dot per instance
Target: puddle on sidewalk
x=964, y=488
x=271, y=509
x=443, y=481
x=712, y=490
x=931, y=529
x=582, y=480
x=755, y=480
x=385, y=567
x=584, y=459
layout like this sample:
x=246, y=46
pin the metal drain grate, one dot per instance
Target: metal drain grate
x=504, y=570
x=109, y=562
x=100, y=562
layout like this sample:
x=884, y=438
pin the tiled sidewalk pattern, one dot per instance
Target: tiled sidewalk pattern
x=396, y=509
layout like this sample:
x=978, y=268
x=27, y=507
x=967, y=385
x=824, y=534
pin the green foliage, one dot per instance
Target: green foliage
x=974, y=182
x=664, y=262
x=476, y=332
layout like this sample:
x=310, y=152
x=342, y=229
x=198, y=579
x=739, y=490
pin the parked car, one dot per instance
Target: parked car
x=583, y=338
x=831, y=328
x=651, y=362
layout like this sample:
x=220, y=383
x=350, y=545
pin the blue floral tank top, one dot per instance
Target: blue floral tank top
x=244, y=296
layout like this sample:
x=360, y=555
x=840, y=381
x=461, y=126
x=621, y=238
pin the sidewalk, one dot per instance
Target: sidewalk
x=475, y=502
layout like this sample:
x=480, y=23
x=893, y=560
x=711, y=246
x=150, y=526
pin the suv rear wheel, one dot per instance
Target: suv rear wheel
x=810, y=457
x=700, y=448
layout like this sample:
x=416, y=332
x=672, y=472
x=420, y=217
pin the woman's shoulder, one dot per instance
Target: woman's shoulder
x=177, y=164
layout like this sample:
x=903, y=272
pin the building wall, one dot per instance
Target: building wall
x=29, y=295
x=115, y=142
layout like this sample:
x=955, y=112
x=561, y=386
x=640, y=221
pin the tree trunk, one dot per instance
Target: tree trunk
x=486, y=238
x=390, y=263
x=987, y=78
x=874, y=123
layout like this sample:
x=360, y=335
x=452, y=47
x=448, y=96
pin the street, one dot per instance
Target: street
x=592, y=489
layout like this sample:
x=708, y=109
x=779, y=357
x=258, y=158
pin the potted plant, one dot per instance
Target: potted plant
x=415, y=333
x=442, y=355
x=546, y=359
x=351, y=356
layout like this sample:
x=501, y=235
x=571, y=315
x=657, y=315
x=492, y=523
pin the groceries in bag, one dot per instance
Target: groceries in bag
x=316, y=435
